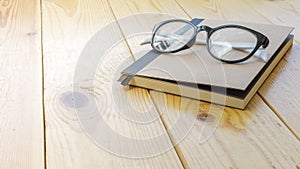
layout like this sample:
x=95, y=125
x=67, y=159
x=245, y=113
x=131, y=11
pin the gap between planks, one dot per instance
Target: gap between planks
x=43, y=85
x=278, y=115
x=117, y=21
x=179, y=153
x=176, y=148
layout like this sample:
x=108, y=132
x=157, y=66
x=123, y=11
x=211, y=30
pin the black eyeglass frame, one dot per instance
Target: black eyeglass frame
x=262, y=40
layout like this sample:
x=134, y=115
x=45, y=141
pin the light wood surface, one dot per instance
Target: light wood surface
x=253, y=138
x=68, y=146
x=41, y=42
x=21, y=104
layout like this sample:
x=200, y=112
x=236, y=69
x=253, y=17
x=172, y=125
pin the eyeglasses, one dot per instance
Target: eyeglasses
x=227, y=43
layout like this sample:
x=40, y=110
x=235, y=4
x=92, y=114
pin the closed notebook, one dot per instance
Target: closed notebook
x=194, y=73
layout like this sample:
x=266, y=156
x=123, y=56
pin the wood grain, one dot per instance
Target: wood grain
x=233, y=10
x=228, y=138
x=68, y=26
x=21, y=112
x=258, y=137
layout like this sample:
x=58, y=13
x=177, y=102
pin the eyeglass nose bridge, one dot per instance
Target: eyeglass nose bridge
x=203, y=28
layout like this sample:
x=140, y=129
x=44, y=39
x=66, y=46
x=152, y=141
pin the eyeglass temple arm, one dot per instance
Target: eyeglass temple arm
x=243, y=46
x=247, y=47
x=235, y=45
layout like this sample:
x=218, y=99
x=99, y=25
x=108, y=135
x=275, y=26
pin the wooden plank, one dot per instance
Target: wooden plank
x=68, y=25
x=228, y=10
x=228, y=138
x=280, y=90
x=21, y=112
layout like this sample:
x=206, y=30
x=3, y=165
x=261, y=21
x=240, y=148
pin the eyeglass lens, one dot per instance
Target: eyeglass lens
x=170, y=37
x=231, y=43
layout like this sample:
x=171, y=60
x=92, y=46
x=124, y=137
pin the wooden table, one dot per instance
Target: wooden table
x=40, y=44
